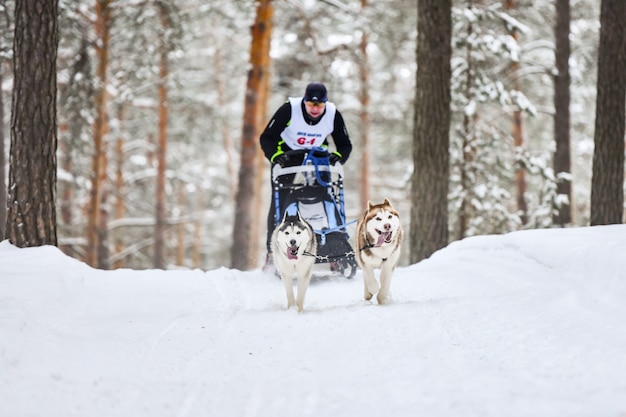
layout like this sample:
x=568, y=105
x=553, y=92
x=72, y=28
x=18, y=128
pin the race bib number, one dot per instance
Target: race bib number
x=306, y=141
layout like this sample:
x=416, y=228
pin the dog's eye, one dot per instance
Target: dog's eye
x=378, y=218
x=298, y=232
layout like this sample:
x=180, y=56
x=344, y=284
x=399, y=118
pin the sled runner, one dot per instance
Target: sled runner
x=315, y=189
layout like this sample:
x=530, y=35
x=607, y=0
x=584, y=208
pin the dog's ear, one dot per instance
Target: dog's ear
x=369, y=205
x=387, y=202
x=291, y=217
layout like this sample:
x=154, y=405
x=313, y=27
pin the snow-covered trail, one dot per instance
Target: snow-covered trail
x=526, y=324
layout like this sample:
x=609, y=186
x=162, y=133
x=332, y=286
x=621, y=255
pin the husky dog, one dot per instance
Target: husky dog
x=294, y=246
x=378, y=242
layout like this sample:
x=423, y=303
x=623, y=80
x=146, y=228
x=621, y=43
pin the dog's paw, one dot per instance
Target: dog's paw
x=368, y=296
x=382, y=299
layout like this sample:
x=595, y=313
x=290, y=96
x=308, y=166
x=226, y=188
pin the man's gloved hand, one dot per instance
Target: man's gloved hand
x=281, y=160
x=334, y=158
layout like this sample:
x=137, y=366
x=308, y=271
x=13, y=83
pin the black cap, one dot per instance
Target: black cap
x=316, y=92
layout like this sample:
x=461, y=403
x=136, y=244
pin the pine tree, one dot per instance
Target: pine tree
x=607, y=186
x=243, y=246
x=429, y=215
x=31, y=218
x=562, y=157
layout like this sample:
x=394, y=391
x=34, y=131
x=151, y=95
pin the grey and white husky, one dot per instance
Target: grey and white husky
x=294, y=247
x=378, y=243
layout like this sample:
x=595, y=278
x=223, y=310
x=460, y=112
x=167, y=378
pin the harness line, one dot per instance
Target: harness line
x=346, y=255
x=370, y=245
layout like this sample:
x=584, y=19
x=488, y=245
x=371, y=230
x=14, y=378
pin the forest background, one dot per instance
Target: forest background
x=122, y=64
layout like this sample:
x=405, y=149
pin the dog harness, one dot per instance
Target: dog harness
x=369, y=245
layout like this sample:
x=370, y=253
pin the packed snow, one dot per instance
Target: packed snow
x=530, y=323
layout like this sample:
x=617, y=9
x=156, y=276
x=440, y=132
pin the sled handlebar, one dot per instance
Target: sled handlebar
x=314, y=161
x=278, y=171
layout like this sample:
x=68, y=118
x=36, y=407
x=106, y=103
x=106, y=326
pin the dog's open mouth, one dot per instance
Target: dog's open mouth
x=292, y=252
x=383, y=237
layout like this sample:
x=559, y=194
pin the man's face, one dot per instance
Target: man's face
x=314, y=108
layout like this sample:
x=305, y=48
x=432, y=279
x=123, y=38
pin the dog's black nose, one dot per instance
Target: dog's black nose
x=387, y=226
x=292, y=242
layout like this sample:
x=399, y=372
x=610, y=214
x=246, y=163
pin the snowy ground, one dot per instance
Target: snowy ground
x=526, y=324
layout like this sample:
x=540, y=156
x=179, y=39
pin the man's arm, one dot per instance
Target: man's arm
x=341, y=137
x=271, y=135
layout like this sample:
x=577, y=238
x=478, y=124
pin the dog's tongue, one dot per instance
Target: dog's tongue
x=381, y=238
x=292, y=253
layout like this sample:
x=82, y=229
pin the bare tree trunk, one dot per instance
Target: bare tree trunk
x=180, y=228
x=431, y=141
x=31, y=216
x=3, y=181
x=119, y=209
x=259, y=221
x=518, y=133
x=364, y=116
x=197, y=234
x=562, y=164
x=159, y=229
x=67, y=197
x=464, y=216
x=103, y=219
x=520, y=174
x=607, y=192
x=151, y=150
x=225, y=129
x=70, y=133
x=259, y=69
x=102, y=29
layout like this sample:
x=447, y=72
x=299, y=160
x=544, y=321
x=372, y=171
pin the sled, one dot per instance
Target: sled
x=315, y=189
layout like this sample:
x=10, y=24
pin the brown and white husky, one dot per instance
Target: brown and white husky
x=378, y=243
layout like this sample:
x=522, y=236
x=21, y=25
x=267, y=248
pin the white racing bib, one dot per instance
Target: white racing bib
x=301, y=135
